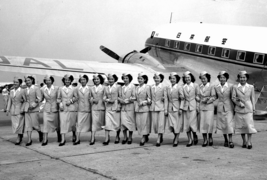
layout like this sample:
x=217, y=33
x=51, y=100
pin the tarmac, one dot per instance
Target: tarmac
x=117, y=161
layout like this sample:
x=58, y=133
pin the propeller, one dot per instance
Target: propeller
x=109, y=52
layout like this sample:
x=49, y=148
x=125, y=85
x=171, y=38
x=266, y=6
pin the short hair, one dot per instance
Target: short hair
x=85, y=77
x=51, y=78
x=226, y=75
x=192, y=78
x=102, y=80
x=207, y=76
x=177, y=78
x=247, y=76
x=32, y=78
x=145, y=78
x=115, y=77
x=129, y=76
x=71, y=79
x=20, y=81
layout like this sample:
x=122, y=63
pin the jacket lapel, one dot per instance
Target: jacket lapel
x=240, y=89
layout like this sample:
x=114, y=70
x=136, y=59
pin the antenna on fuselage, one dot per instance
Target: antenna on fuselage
x=171, y=18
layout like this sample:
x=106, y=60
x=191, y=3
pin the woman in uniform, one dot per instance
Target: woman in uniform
x=158, y=107
x=244, y=98
x=225, y=109
x=67, y=97
x=15, y=106
x=206, y=108
x=33, y=97
x=143, y=100
x=98, y=107
x=112, y=93
x=84, y=108
x=190, y=107
x=127, y=108
x=50, y=109
x=175, y=119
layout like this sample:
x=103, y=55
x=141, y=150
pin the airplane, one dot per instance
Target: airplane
x=175, y=47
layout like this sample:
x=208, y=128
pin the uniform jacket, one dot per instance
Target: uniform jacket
x=69, y=95
x=247, y=98
x=174, y=97
x=225, y=102
x=51, y=104
x=16, y=101
x=112, y=93
x=127, y=93
x=190, y=99
x=159, y=100
x=207, y=96
x=98, y=93
x=143, y=94
x=33, y=99
x=84, y=99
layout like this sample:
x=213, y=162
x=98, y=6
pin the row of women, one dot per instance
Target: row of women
x=188, y=108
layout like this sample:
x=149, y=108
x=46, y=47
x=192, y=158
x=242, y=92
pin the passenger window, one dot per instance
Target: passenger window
x=212, y=50
x=226, y=53
x=187, y=46
x=176, y=45
x=258, y=58
x=167, y=43
x=241, y=55
x=199, y=48
x=178, y=35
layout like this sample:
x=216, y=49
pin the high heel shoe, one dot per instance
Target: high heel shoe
x=106, y=143
x=205, y=144
x=175, y=144
x=20, y=139
x=244, y=145
x=74, y=138
x=231, y=145
x=18, y=143
x=117, y=141
x=76, y=143
x=62, y=143
x=250, y=146
x=142, y=143
x=124, y=141
x=29, y=143
x=45, y=143
x=146, y=138
x=211, y=142
x=195, y=140
x=129, y=142
x=157, y=144
x=92, y=143
x=189, y=144
x=226, y=144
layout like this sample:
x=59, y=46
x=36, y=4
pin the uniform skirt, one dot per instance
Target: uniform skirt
x=225, y=122
x=244, y=123
x=67, y=121
x=50, y=122
x=32, y=121
x=143, y=123
x=112, y=121
x=84, y=122
x=207, y=123
x=175, y=122
x=18, y=124
x=190, y=121
x=98, y=120
x=158, y=121
x=128, y=120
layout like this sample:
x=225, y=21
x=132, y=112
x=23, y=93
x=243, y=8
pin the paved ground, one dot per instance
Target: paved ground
x=131, y=161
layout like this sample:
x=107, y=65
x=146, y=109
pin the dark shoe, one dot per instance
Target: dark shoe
x=175, y=145
x=231, y=145
x=146, y=138
x=92, y=143
x=250, y=146
x=210, y=143
x=29, y=143
x=73, y=138
x=45, y=143
x=18, y=143
x=244, y=146
x=142, y=143
x=117, y=141
x=62, y=144
x=195, y=140
x=205, y=144
x=158, y=144
x=129, y=142
x=161, y=139
x=76, y=143
x=40, y=136
x=189, y=144
x=226, y=143
x=106, y=143
x=124, y=141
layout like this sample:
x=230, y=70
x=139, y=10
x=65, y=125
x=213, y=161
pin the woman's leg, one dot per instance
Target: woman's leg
x=93, y=136
x=29, y=133
x=210, y=139
x=244, y=140
x=190, y=141
x=249, y=140
x=45, y=137
x=124, y=134
x=78, y=134
x=74, y=136
x=117, y=140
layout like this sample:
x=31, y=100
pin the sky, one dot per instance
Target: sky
x=67, y=29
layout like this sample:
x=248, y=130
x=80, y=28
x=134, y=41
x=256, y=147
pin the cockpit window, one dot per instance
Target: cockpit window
x=187, y=46
x=226, y=53
x=167, y=43
x=241, y=55
x=212, y=50
x=258, y=58
x=199, y=48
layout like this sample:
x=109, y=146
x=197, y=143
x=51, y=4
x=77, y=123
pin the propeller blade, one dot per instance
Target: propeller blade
x=109, y=52
x=145, y=50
